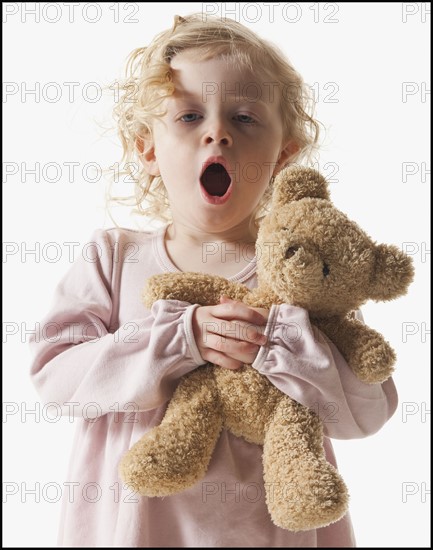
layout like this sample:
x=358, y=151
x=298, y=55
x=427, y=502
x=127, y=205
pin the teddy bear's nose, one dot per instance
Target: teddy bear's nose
x=291, y=251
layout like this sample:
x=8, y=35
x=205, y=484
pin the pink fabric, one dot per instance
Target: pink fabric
x=113, y=364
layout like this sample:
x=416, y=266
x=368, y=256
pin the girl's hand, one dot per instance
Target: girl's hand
x=230, y=333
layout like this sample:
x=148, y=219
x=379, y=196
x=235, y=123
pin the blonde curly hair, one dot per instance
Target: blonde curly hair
x=148, y=83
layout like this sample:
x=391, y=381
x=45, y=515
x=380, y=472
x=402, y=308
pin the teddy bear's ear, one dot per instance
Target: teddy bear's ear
x=393, y=273
x=297, y=182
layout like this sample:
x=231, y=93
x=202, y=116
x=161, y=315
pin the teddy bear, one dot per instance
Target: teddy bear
x=310, y=255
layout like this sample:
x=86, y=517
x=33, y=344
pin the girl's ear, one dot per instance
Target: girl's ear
x=146, y=153
x=290, y=149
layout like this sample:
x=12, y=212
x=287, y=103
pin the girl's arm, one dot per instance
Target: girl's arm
x=305, y=365
x=86, y=367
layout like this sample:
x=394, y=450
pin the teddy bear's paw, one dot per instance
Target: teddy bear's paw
x=158, y=287
x=373, y=362
x=195, y=288
x=312, y=495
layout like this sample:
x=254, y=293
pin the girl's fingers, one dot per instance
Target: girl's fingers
x=236, y=330
x=260, y=310
x=232, y=309
x=235, y=350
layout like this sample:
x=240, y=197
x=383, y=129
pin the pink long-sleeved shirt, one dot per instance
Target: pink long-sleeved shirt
x=106, y=359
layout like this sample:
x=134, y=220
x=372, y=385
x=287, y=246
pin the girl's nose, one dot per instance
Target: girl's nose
x=217, y=133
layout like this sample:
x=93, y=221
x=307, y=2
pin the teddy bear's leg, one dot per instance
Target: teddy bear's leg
x=175, y=455
x=248, y=400
x=303, y=490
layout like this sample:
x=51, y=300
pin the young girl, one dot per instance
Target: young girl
x=203, y=94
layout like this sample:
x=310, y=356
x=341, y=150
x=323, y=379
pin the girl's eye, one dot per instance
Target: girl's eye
x=189, y=117
x=246, y=119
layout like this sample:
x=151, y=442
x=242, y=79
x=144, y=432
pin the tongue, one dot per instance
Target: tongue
x=215, y=180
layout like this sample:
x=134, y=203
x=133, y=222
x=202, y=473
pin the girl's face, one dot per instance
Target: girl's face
x=222, y=117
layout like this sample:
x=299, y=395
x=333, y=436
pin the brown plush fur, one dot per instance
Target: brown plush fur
x=309, y=255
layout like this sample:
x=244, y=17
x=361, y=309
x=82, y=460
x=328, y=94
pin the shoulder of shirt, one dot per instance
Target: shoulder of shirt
x=121, y=233
x=115, y=246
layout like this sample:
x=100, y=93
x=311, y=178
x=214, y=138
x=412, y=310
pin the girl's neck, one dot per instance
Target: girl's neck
x=190, y=236
x=223, y=253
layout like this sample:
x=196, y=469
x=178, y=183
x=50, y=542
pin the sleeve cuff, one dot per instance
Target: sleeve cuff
x=261, y=356
x=187, y=323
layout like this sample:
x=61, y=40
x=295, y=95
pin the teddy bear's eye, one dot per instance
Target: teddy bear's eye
x=325, y=270
x=291, y=251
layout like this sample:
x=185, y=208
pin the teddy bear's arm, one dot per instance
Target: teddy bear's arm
x=366, y=352
x=196, y=288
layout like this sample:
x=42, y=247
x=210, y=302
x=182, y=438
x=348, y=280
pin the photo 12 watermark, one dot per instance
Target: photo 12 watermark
x=412, y=411
x=414, y=332
x=52, y=412
x=415, y=12
x=271, y=12
x=414, y=492
x=53, y=252
x=413, y=92
x=414, y=171
x=71, y=12
x=52, y=492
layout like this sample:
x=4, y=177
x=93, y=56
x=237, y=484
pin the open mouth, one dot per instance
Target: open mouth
x=215, y=180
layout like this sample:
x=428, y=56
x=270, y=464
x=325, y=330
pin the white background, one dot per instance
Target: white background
x=365, y=51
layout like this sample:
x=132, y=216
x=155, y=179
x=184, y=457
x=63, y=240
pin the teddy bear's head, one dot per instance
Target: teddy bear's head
x=311, y=255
